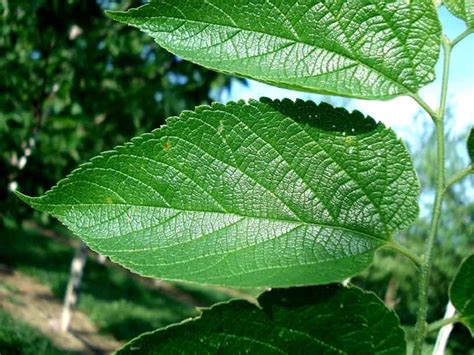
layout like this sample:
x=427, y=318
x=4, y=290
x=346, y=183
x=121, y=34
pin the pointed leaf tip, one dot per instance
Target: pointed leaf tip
x=33, y=202
x=27, y=199
x=116, y=15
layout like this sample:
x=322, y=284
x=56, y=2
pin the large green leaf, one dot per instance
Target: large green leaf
x=358, y=48
x=463, y=9
x=317, y=320
x=462, y=292
x=268, y=193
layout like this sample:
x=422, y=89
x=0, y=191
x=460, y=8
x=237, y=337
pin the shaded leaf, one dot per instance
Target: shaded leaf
x=318, y=320
x=463, y=9
x=268, y=193
x=462, y=292
x=470, y=145
x=358, y=48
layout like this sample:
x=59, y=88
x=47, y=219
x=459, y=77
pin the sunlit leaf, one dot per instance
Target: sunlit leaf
x=268, y=193
x=358, y=48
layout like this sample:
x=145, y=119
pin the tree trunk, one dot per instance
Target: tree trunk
x=73, y=286
x=390, y=299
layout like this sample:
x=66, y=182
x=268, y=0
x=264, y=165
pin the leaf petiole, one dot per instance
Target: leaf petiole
x=405, y=251
x=425, y=106
x=442, y=322
x=459, y=176
x=461, y=37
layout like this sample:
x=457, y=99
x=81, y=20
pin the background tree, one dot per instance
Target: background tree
x=75, y=83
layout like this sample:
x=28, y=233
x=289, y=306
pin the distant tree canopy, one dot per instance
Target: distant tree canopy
x=74, y=83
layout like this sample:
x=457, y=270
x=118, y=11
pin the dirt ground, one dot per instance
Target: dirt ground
x=27, y=300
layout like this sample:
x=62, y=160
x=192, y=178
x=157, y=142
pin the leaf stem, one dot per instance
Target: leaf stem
x=421, y=325
x=442, y=322
x=461, y=37
x=405, y=251
x=459, y=176
x=424, y=105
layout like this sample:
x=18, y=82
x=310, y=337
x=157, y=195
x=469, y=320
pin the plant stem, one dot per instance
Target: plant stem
x=459, y=176
x=421, y=326
x=405, y=251
x=442, y=322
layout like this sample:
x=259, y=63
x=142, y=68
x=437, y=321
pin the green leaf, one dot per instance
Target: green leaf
x=359, y=48
x=318, y=320
x=470, y=145
x=461, y=292
x=268, y=193
x=463, y=9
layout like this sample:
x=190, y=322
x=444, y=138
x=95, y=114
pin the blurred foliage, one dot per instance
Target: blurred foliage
x=74, y=83
x=395, y=278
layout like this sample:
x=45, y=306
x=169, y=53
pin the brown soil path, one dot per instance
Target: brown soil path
x=26, y=299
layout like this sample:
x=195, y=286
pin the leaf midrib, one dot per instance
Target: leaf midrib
x=346, y=55
x=299, y=222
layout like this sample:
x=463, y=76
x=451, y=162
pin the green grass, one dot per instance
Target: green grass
x=118, y=304
x=17, y=337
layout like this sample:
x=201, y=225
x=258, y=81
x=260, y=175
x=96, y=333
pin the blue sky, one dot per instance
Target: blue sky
x=400, y=113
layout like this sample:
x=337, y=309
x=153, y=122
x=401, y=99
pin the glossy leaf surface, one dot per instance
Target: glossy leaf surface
x=268, y=193
x=462, y=292
x=463, y=9
x=358, y=48
x=318, y=320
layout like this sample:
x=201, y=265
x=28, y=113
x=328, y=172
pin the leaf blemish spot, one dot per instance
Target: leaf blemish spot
x=220, y=129
x=166, y=146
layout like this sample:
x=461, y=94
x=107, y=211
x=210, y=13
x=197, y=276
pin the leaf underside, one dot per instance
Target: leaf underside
x=461, y=292
x=300, y=320
x=358, y=48
x=269, y=193
x=464, y=9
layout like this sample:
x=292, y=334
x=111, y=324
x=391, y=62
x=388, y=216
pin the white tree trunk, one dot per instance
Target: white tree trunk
x=346, y=282
x=73, y=285
x=390, y=298
x=444, y=332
